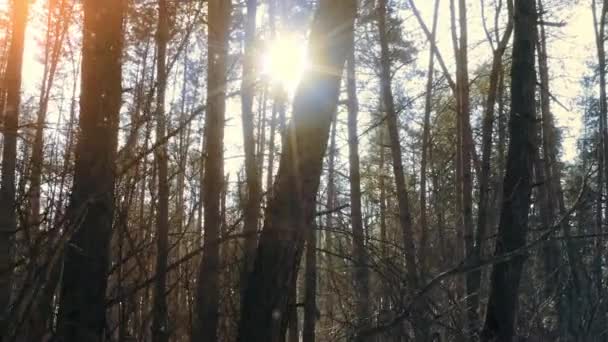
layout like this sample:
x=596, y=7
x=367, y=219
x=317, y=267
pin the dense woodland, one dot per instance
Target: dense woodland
x=299, y=170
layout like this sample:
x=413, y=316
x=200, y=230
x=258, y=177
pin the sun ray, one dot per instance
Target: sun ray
x=284, y=60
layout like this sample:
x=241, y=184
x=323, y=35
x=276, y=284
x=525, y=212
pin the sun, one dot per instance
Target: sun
x=284, y=60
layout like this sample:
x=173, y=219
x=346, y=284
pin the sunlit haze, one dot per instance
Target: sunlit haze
x=284, y=60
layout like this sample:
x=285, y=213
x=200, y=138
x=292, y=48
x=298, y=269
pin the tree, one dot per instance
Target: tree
x=290, y=211
x=484, y=202
x=512, y=229
x=207, y=292
x=160, y=328
x=11, y=92
x=361, y=272
x=90, y=215
x=252, y=205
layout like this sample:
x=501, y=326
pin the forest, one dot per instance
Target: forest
x=303, y=170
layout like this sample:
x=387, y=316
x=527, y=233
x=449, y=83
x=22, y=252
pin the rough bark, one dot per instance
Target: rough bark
x=207, y=291
x=11, y=90
x=160, y=328
x=512, y=229
x=290, y=211
x=82, y=300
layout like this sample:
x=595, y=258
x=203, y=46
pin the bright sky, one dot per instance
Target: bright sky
x=570, y=49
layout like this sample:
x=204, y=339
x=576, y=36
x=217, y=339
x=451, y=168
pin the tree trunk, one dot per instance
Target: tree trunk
x=290, y=211
x=512, y=229
x=54, y=42
x=11, y=89
x=82, y=304
x=310, y=281
x=405, y=215
x=484, y=204
x=252, y=206
x=361, y=272
x=207, y=294
x=160, y=328
x=293, y=334
x=426, y=136
x=599, y=25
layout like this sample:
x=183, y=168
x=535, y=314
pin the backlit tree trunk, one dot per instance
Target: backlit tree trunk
x=160, y=329
x=426, y=136
x=11, y=91
x=207, y=292
x=82, y=304
x=513, y=226
x=485, y=204
x=290, y=211
x=361, y=272
x=252, y=205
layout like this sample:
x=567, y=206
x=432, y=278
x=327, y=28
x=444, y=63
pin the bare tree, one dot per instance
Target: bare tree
x=513, y=226
x=160, y=328
x=86, y=260
x=207, y=292
x=11, y=91
x=290, y=211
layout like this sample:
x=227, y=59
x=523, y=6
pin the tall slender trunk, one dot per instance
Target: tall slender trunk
x=252, y=206
x=207, y=292
x=599, y=28
x=426, y=136
x=361, y=271
x=552, y=169
x=464, y=154
x=160, y=327
x=290, y=211
x=54, y=42
x=484, y=204
x=405, y=215
x=11, y=89
x=82, y=301
x=513, y=226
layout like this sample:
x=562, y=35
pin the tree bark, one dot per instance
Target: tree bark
x=207, y=292
x=602, y=178
x=405, y=215
x=290, y=211
x=11, y=90
x=512, y=229
x=160, y=328
x=426, y=137
x=484, y=204
x=252, y=206
x=361, y=272
x=310, y=281
x=82, y=300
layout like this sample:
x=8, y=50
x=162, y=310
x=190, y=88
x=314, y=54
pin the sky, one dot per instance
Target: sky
x=570, y=49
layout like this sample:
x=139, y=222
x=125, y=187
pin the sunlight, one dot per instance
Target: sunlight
x=284, y=60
